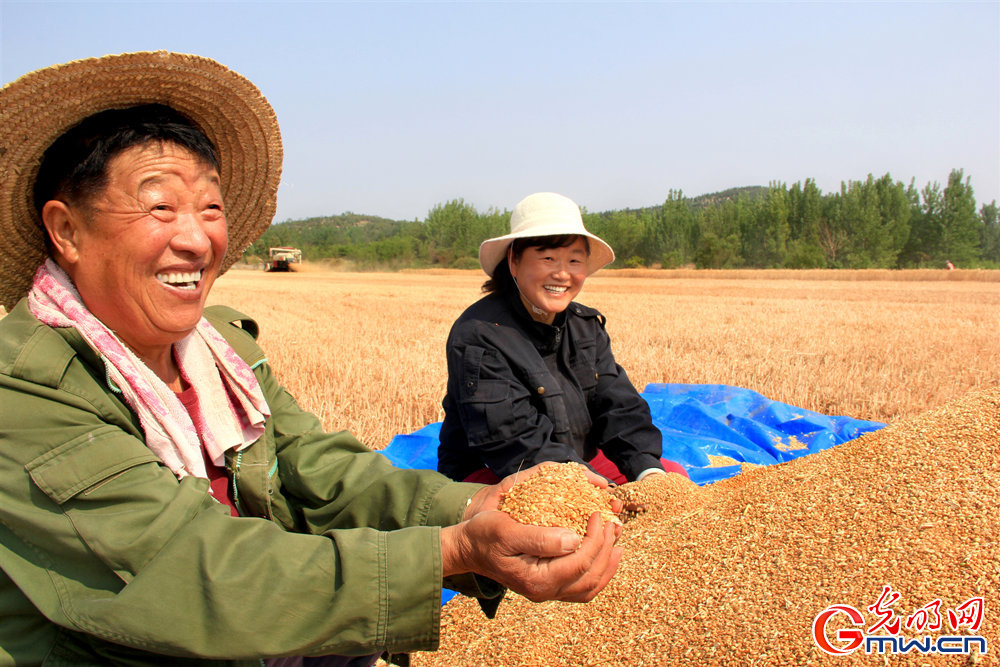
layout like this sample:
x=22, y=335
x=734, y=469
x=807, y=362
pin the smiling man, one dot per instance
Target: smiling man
x=163, y=499
x=143, y=242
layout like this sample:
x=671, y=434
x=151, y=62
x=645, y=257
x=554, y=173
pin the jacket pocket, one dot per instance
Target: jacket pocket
x=119, y=504
x=86, y=461
x=487, y=413
x=548, y=397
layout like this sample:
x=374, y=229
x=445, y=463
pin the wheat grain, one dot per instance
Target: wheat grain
x=735, y=574
x=557, y=494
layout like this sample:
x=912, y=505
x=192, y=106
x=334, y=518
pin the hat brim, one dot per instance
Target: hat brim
x=492, y=251
x=42, y=105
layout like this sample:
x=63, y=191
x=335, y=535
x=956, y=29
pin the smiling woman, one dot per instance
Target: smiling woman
x=531, y=375
x=549, y=272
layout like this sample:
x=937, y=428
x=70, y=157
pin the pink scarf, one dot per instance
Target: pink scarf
x=232, y=404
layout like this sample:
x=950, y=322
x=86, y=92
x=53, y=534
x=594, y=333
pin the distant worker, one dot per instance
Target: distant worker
x=951, y=267
x=531, y=375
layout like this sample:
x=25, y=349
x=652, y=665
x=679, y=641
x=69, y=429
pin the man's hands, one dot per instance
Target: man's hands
x=538, y=563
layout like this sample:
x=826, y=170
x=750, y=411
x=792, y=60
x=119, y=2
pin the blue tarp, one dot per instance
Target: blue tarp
x=701, y=419
x=698, y=420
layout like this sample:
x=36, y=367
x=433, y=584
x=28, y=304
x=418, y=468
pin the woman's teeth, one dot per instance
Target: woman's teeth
x=555, y=289
x=180, y=280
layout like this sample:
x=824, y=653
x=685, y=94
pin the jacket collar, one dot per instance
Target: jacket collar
x=38, y=353
x=546, y=337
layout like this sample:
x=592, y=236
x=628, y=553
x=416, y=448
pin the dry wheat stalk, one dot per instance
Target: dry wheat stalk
x=365, y=351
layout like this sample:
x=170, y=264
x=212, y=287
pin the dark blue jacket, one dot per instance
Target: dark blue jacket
x=521, y=392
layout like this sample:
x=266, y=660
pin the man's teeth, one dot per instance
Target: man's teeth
x=180, y=280
x=555, y=289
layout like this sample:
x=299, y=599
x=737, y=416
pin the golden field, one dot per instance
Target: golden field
x=365, y=351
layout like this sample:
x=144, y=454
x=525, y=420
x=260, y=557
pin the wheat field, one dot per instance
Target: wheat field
x=365, y=351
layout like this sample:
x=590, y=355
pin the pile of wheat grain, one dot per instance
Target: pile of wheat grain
x=736, y=572
x=671, y=494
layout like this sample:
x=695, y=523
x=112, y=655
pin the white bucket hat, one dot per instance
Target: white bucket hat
x=544, y=214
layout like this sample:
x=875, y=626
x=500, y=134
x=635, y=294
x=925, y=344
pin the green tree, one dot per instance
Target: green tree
x=990, y=236
x=452, y=231
x=764, y=235
x=805, y=203
x=672, y=232
x=622, y=230
x=493, y=223
x=714, y=252
x=805, y=223
x=833, y=232
x=945, y=226
x=926, y=241
x=960, y=225
x=876, y=216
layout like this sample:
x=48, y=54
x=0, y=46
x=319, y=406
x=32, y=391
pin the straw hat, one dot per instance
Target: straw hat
x=544, y=214
x=40, y=106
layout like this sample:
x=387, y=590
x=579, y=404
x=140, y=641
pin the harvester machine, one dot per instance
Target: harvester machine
x=282, y=259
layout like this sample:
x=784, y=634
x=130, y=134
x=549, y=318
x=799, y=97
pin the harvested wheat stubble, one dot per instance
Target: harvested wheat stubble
x=736, y=573
x=557, y=495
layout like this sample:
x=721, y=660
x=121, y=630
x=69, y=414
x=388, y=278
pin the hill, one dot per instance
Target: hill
x=343, y=228
x=327, y=235
x=752, y=192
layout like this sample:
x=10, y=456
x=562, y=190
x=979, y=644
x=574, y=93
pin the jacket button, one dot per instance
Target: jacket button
x=597, y=376
x=540, y=390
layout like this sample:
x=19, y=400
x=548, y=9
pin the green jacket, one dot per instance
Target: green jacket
x=108, y=559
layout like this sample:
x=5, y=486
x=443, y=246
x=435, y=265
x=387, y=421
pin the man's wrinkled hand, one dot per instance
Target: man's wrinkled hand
x=536, y=562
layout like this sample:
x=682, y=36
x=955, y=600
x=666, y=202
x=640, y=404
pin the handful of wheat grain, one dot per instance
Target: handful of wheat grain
x=558, y=495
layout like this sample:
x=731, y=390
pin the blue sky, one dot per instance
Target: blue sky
x=389, y=108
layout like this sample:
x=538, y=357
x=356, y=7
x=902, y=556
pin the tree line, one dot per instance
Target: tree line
x=874, y=223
